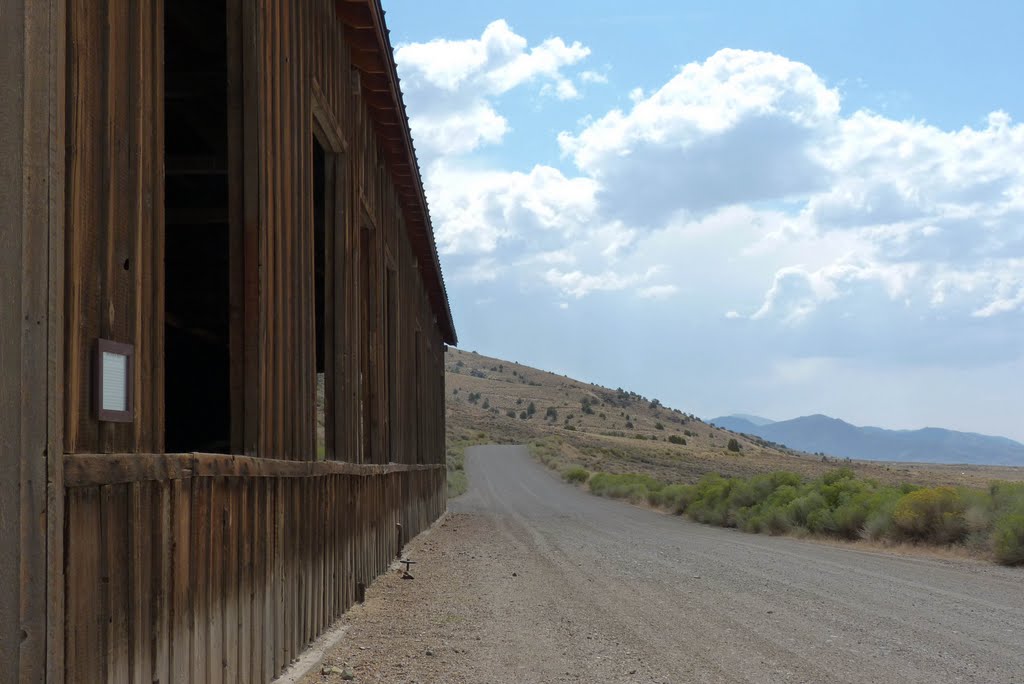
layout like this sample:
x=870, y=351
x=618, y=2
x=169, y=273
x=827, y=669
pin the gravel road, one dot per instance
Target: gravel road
x=531, y=580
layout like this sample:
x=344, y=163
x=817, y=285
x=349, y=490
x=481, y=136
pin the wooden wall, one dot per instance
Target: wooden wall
x=216, y=567
x=289, y=67
x=31, y=272
x=303, y=65
x=220, y=569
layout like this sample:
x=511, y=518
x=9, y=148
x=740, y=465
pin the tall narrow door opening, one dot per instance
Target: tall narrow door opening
x=391, y=361
x=369, y=394
x=417, y=382
x=197, y=240
x=323, y=303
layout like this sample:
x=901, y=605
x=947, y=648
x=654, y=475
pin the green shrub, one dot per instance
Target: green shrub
x=636, y=488
x=676, y=439
x=659, y=426
x=1008, y=539
x=838, y=504
x=802, y=507
x=784, y=478
x=733, y=444
x=834, y=476
x=878, y=523
x=675, y=497
x=850, y=517
x=531, y=409
x=774, y=521
x=1005, y=498
x=511, y=413
x=821, y=521
x=711, y=505
x=935, y=514
x=457, y=483
x=576, y=475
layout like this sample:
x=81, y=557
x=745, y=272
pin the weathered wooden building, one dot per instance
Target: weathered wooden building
x=222, y=321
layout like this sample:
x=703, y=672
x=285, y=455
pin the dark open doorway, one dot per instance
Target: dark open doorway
x=324, y=397
x=368, y=328
x=197, y=288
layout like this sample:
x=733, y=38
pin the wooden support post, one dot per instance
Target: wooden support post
x=31, y=301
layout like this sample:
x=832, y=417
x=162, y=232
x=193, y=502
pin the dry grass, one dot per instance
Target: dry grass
x=947, y=552
x=602, y=440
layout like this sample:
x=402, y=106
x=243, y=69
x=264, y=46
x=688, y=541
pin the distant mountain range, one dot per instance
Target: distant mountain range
x=756, y=420
x=835, y=437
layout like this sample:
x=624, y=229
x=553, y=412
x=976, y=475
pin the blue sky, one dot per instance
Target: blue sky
x=778, y=208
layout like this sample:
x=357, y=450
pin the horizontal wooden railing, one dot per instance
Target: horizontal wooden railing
x=212, y=568
x=85, y=470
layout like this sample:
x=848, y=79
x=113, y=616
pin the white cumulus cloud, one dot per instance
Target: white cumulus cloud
x=741, y=178
x=738, y=127
x=453, y=84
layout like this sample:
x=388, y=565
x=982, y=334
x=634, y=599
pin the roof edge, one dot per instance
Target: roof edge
x=414, y=200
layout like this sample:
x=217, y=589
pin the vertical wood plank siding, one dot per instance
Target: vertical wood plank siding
x=226, y=578
x=31, y=372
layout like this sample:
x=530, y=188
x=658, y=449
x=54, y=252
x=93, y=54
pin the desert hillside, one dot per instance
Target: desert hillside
x=617, y=430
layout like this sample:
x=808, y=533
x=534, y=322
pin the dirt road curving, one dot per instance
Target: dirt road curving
x=530, y=580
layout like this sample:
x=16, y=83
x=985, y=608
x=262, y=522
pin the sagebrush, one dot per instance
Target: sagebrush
x=839, y=504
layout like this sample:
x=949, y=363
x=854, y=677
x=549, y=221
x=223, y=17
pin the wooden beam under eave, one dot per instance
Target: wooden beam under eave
x=387, y=119
x=361, y=38
x=388, y=141
x=375, y=82
x=379, y=99
x=368, y=61
x=354, y=13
